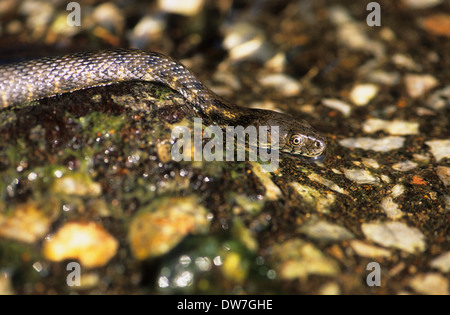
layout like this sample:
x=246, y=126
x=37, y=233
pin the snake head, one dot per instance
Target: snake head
x=296, y=137
x=310, y=144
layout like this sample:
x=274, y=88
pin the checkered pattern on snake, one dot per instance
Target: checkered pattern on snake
x=49, y=76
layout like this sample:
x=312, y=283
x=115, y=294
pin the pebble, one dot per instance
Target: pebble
x=77, y=184
x=362, y=94
x=328, y=183
x=444, y=174
x=391, y=208
x=296, y=258
x=395, y=127
x=421, y=4
x=381, y=145
x=187, y=8
x=149, y=28
x=321, y=202
x=110, y=17
x=273, y=192
x=352, y=33
x=6, y=287
x=282, y=83
x=246, y=41
x=370, y=163
x=88, y=242
x=26, y=223
x=430, y=283
x=438, y=24
x=324, y=231
x=406, y=62
x=439, y=148
x=361, y=176
x=384, y=77
x=367, y=250
x=338, y=105
x=442, y=262
x=440, y=99
x=395, y=234
x=419, y=84
x=39, y=15
x=404, y=166
x=233, y=267
x=156, y=230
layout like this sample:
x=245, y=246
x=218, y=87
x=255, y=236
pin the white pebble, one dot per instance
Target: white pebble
x=439, y=148
x=395, y=234
x=325, y=231
x=430, y=283
x=421, y=4
x=442, y=262
x=381, y=145
x=284, y=84
x=419, y=84
x=361, y=176
x=188, y=8
x=443, y=173
x=339, y=105
x=361, y=94
x=395, y=127
x=404, y=166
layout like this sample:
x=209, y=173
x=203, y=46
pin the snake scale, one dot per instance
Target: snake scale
x=45, y=77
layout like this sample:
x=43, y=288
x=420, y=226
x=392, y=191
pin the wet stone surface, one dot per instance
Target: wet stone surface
x=88, y=177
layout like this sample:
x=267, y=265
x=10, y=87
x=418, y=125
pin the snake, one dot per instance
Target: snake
x=45, y=77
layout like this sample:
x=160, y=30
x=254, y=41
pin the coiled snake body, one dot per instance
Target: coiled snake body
x=49, y=76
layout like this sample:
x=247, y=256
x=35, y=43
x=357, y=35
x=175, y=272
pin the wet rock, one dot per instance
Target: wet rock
x=89, y=243
x=319, y=201
x=273, y=192
x=155, y=231
x=27, y=223
x=77, y=184
x=296, y=258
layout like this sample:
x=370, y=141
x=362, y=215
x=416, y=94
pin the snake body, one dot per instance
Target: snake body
x=49, y=76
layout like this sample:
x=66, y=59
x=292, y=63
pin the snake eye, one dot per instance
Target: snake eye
x=296, y=140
